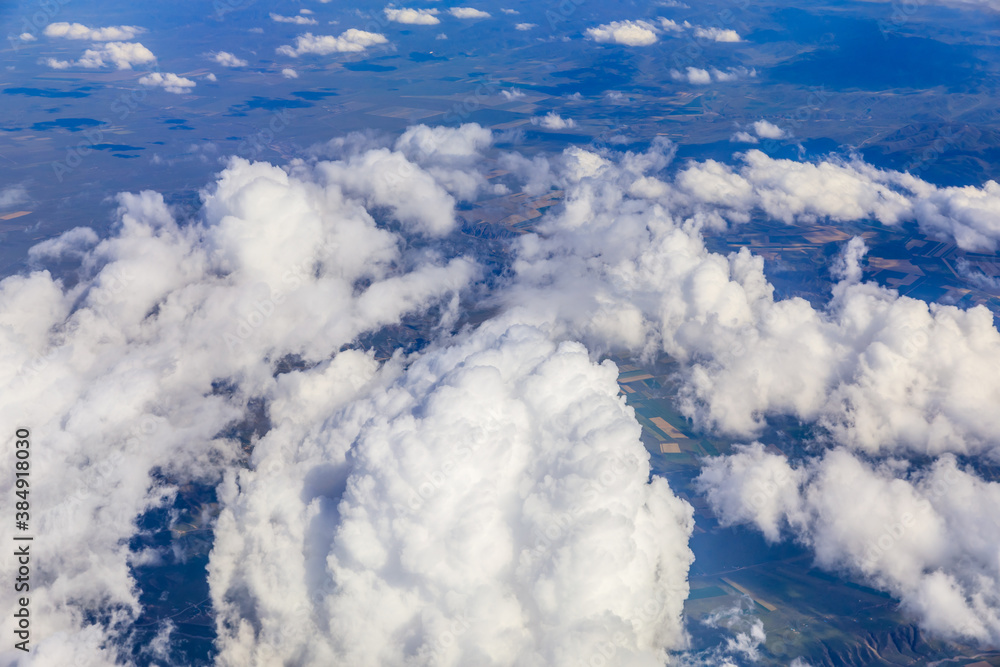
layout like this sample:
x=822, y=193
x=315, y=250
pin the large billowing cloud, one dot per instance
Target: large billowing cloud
x=119, y=374
x=928, y=536
x=455, y=506
x=624, y=267
x=489, y=505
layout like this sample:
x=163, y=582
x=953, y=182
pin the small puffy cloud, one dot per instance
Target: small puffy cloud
x=767, y=130
x=13, y=195
x=119, y=33
x=702, y=77
x=227, y=59
x=511, y=94
x=717, y=34
x=525, y=26
x=169, y=82
x=553, y=121
x=211, y=77
x=510, y=11
x=412, y=16
x=733, y=73
x=26, y=37
x=671, y=26
x=298, y=20
x=289, y=73
x=468, y=13
x=122, y=55
x=350, y=41
x=628, y=33
x=55, y=63
x=693, y=75
x=743, y=137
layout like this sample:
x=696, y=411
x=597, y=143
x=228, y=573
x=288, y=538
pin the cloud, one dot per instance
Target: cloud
x=744, y=138
x=672, y=26
x=553, y=121
x=468, y=13
x=349, y=41
x=525, y=26
x=298, y=20
x=617, y=267
x=505, y=430
x=925, y=535
x=121, y=33
x=693, y=75
x=169, y=82
x=702, y=77
x=628, y=33
x=511, y=94
x=163, y=312
x=13, y=195
x=844, y=190
x=27, y=37
x=289, y=73
x=767, y=130
x=122, y=55
x=716, y=34
x=412, y=16
x=227, y=59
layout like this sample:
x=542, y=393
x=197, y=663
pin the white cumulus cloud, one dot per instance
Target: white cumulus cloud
x=349, y=41
x=227, y=59
x=119, y=33
x=169, y=82
x=412, y=16
x=628, y=33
